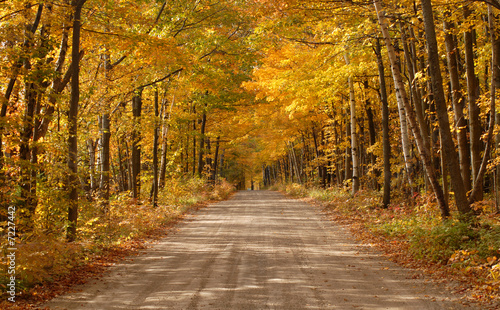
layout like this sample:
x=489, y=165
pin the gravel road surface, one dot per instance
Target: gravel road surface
x=259, y=250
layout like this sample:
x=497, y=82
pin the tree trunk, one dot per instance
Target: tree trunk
x=208, y=159
x=372, y=136
x=321, y=174
x=348, y=152
x=293, y=162
x=475, y=127
x=194, y=141
x=104, y=141
x=405, y=141
x=458, y=105
x=215, y=161
x=136, y=147
x=154, y=192
x=28, y=201
x=164, y=138
x=354, y=136
x=201, y=162
x=402, y=97
x=221, y=164
x=496, y=48
x=72, y=184
x=91, y=147
x=415, y=90
x=448, y=146
x=123, y=168
x=385, y=126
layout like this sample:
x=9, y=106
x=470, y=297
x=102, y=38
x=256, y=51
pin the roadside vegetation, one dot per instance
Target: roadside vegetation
x=48, y=265
x=411, y=233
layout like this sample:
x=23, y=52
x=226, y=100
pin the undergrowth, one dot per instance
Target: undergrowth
x=43, y=255
x=470, y=248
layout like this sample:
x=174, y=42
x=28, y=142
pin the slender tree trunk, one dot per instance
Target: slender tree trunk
x=91, y=147
x=215, y=161
x=385, y=126
x=405, y=141
x=221, y=164
x=475, y=127
x=293, y=162
x=348, y=153
x=104, y=141
x=372, y=137
x=496, y=48
x=194, y=141
x=208, y=159
x=128, y=161
x=122, y=167
x=290, y=166
x=354, y=135
x=136, y=147
x=448, y=146
x=72, y=184
x=458, y=105
x=201, y=162
x=321, y=175
x=164, y=147
x=25, y=146
x=415, y=90
x=401, y=96
x=154, y=194
x=186, y=149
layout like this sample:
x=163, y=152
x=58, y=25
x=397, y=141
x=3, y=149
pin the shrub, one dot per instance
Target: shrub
x=441, y=242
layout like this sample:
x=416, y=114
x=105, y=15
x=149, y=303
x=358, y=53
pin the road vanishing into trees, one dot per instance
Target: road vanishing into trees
x=259, y=250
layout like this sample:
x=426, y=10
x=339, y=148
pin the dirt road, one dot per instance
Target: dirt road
x=258, y=250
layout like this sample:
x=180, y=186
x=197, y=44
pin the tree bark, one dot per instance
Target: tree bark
x=136, y=147
x=154, y=196
x=354, y=135
x=372, y=137
x=91, y=147
x=475, y=127
x=415, y=90
x=72, y=183
x=385, y=126
x=458, y=105
x=215, y=161
x=348, y=153
x=194, y=141
x=104, y=142
x=201, y=161
x=164, y=138
x=405, y=141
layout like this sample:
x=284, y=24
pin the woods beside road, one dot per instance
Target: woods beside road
x=116, y=117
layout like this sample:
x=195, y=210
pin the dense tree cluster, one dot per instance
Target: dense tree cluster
x=385, y=93
x=104, y=97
